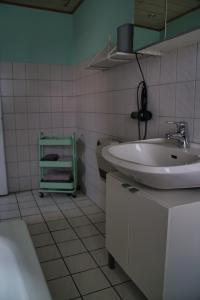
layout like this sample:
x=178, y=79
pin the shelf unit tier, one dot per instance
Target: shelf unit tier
x=57, y=185
x=51, y=141
x=56, y=164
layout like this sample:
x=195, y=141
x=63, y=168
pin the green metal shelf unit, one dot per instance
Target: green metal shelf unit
x=70, y=163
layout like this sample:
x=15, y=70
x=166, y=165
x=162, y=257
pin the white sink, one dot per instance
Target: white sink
x=158, y=163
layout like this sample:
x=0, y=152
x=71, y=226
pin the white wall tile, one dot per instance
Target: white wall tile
x=185, y=99
x=31, y=71
x=13, y=185
x=186, y=63
x=57, y=104
x=167, y=100
x=21, y=121
x=9, y=121
x=20, y=104
x=168, y=67
x=22, y=153
x=32, y=88
x=153, y=70
x=19, y=71
x=56, y=72
x=12, y=170
x=67, y=88
x=45, y=120
x=25, y=183
x=67, y=72
x=11, y=154
x=45, y=104
x=6, y=87
x=34, y=121
x=198, y=61
x=6, y=71
x=44, y=71
x=56, y=88
x=7, y=105
x=44, y=88
x=24, y=169
x=10, y=138
x=33, y=104
x=22, y=137
x=57, y=120
x=19, y=88
x=197, y=99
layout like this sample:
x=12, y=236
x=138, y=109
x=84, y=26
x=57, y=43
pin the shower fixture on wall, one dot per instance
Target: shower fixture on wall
x=142, y=114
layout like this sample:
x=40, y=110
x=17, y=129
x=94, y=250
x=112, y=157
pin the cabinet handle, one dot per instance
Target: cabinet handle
x=133, y=190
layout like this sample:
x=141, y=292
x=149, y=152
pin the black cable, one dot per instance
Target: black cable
x=143, y=87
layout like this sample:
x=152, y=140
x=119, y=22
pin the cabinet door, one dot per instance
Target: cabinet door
x=117, y=221
x=148, y=223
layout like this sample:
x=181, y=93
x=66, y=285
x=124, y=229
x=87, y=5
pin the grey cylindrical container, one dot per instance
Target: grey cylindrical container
x=125, y=38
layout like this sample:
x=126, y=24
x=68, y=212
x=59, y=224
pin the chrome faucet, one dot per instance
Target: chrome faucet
x=181, y=134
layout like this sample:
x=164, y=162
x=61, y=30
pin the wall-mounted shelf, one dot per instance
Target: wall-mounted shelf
x=107, y=59
x=179, y=41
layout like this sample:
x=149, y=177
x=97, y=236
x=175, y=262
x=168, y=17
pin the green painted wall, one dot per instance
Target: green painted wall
x=144, y=37
x=183, y=24
x=36, y=36
x=95, y=20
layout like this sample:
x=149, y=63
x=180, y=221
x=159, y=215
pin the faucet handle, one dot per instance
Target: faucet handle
x=181, y=125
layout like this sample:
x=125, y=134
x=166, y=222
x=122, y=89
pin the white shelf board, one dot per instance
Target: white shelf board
x=111, y=60
x=180, y=41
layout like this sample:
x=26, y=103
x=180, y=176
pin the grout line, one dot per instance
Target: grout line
x=61, y=253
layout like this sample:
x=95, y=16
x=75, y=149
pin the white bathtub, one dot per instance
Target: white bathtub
x=21, y=277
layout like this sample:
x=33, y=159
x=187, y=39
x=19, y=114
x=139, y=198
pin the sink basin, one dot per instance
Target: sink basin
x=157, y=163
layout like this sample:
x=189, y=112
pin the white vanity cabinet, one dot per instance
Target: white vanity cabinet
x=155, y=237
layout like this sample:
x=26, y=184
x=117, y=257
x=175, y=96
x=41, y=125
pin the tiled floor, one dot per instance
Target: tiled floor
x=69, y=237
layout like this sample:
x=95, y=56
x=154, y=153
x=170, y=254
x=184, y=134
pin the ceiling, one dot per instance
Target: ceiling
x=151, y=13
x=64, y=6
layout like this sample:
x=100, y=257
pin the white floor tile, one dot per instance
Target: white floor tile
x=100, y=256
x=64, y=235
x=93, y=209
x=29, y=211
x=97, y=218
x=71, y=247
x=58, y=225
x=54, y=269
x=116, y=276
x=28, y=204
x=84, y=203
x=101, y=227
x=80, y=262
x=9, y=214
x=52, y=216
x=79, y=221
x=94, y=242
x=90, y=281
x=43, y=239
x=49, y=208
x=72, y=213
x=33, y=219
x=63, y=289
x=67, y=205
x=107, y=294
x=47, y=253
x=8, y=207
x=86, y=231
x=37, y=228
x=128, y=291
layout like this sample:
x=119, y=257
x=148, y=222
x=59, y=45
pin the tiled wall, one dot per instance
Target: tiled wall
x=105, y=100
x=45, y=97
x=34, y=98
